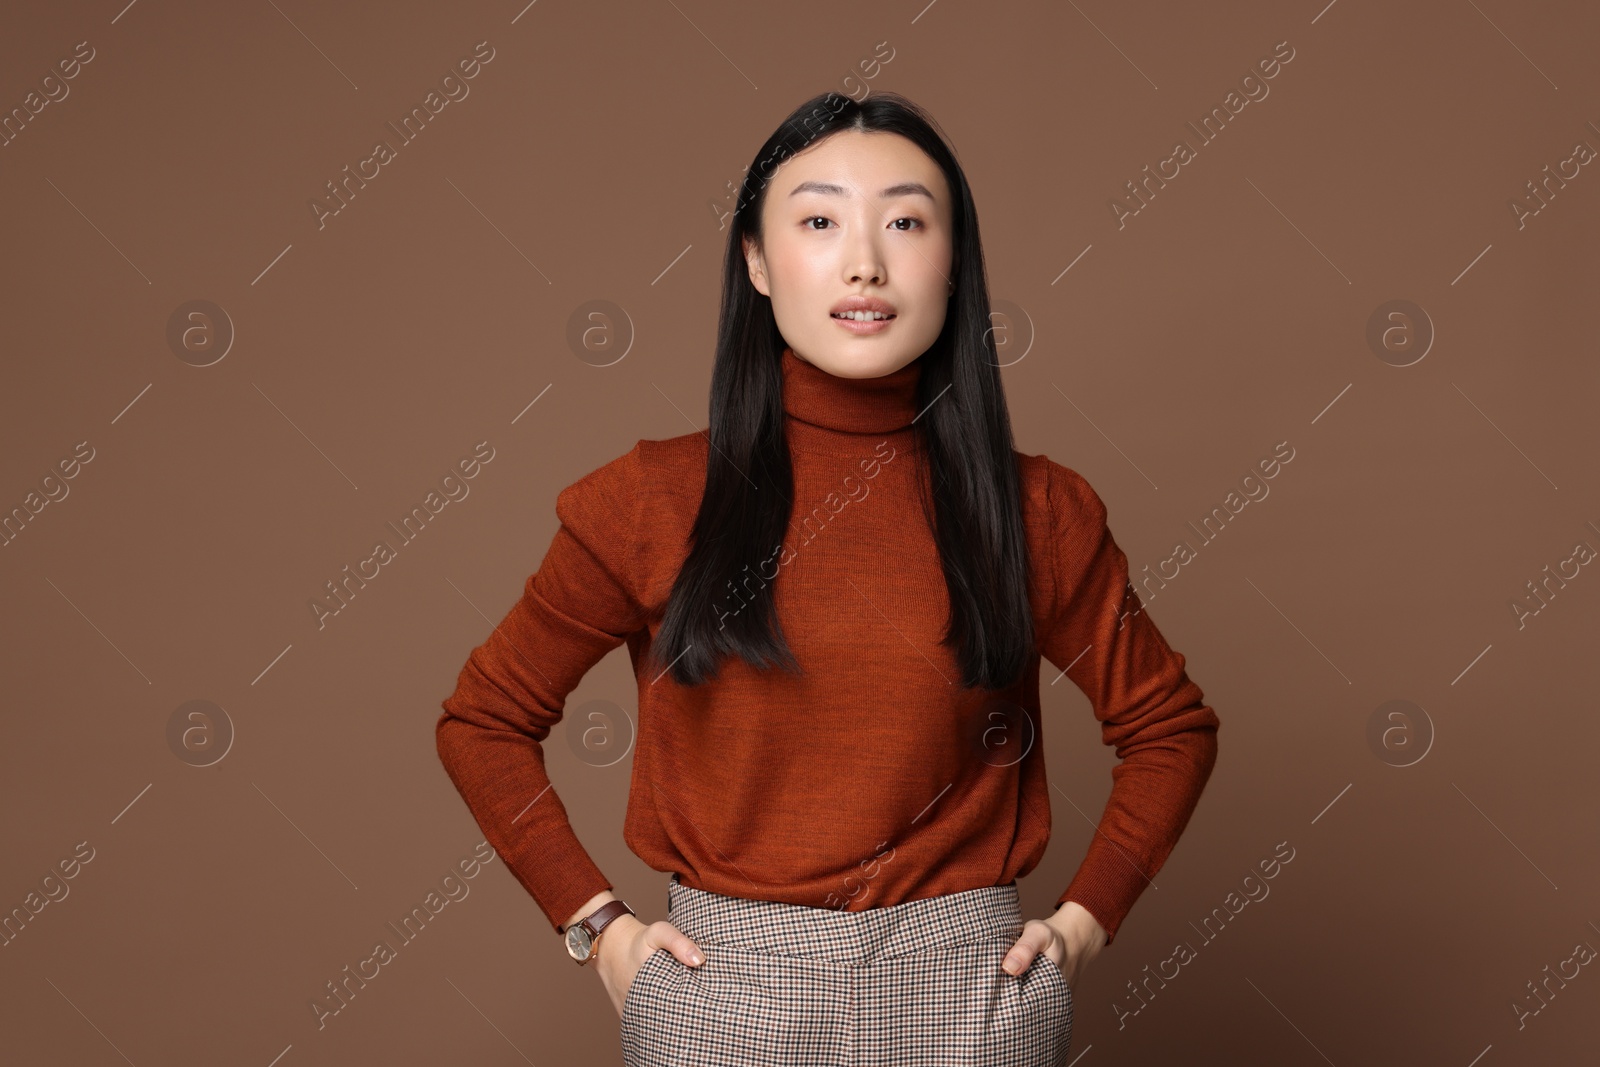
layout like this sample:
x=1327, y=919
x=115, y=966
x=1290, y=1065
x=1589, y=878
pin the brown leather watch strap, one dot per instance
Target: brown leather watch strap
x=601, y=917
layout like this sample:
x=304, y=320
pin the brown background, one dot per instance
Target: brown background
x=372, y=353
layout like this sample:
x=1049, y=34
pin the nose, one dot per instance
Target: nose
x=864, y=259
x=865, y=263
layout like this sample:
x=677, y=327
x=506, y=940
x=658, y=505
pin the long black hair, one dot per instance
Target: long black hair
x=975, y=512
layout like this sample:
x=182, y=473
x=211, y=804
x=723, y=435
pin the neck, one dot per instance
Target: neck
x=848, y=416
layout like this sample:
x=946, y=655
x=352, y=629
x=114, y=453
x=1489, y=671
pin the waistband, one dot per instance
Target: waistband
x=845, y=936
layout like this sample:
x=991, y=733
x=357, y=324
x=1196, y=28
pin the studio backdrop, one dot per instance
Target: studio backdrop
x=311, y=311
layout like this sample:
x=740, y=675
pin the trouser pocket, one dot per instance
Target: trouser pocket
x=952, y=1004
x=1061, y=992
x=642, y=1044
x=638, y=991
x=737, y=1008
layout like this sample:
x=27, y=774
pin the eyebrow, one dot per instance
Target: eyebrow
x=831, y=189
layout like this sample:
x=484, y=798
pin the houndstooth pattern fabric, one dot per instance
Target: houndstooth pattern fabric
x=917, y=984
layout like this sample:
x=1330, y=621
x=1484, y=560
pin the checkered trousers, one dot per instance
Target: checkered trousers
x=917, y=984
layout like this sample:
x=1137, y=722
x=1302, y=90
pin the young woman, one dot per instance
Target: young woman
x=836, y=602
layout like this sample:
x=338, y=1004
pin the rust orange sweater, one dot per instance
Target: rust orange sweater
x=875, y=778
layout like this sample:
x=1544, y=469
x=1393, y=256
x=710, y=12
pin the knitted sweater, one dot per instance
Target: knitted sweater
x=874, y=777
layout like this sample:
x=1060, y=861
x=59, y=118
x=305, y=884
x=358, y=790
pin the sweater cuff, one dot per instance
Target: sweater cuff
x=1106, y=885
x=580, y=881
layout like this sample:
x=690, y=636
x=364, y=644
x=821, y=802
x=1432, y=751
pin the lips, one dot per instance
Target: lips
x=852, y=304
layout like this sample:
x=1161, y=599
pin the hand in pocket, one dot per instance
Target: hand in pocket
x=623, y=951
x=1071, y=938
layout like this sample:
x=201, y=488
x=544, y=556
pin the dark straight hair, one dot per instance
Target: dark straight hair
x=975, y=513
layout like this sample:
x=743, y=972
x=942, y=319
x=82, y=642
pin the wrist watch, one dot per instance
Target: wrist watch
x=583, y=936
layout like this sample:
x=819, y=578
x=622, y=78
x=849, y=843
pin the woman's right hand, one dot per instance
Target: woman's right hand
x=624, y=946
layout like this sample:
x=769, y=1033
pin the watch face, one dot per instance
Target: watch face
x=579, y=942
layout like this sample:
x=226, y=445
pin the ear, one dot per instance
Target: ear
x=756, y=264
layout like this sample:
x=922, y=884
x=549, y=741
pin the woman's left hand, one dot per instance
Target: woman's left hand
x=1071, y=937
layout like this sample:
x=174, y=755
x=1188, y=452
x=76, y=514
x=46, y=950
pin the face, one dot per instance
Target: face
x=858, y=214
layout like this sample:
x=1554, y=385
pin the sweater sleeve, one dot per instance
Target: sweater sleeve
x=1148, y=708
x=579, y=605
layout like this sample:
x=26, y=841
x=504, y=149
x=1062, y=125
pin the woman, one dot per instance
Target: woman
x=836, y=606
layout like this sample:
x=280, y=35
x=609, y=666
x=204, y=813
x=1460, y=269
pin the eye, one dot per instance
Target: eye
x=904, y=218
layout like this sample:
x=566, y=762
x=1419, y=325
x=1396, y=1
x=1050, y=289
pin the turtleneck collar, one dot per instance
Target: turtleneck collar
x=843, y=416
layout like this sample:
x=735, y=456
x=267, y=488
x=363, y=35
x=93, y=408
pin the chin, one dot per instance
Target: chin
x=862, y=357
